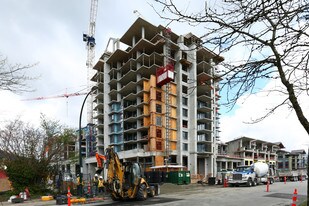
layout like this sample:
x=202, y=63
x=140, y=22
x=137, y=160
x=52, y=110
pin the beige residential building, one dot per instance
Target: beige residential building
x=246, y=151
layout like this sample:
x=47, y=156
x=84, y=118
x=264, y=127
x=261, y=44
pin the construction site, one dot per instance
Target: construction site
x=143, y=97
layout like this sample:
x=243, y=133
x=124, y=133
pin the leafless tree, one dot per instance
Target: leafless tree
x=275, y=34
x=47, y=142
x=13, y=77
x=32, y=154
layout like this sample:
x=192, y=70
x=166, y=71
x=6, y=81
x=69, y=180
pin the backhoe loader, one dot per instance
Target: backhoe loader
x=124, y=181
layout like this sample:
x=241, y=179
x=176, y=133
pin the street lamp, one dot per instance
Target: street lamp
x=80, y=137
x=308, y=176
x=307, y=144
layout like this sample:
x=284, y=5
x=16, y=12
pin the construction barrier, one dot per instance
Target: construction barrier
x=47, y=198
x=294, y=198
x=78, y=200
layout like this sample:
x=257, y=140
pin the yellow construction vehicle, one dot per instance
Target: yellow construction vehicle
x=124, y=181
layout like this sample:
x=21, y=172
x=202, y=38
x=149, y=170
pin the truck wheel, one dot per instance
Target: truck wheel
x=249, y=182
x=271, y=181
x=255, y=182
x=142, y=193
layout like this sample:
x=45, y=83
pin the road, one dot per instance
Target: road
x=280, y=194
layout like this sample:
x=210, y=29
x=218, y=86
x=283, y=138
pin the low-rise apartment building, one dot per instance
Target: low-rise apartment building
x=246, y=151
x=294, y=160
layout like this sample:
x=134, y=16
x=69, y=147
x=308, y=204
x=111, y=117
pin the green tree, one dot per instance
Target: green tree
x=31, y=154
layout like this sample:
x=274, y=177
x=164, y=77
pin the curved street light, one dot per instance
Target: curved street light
x=80, y=137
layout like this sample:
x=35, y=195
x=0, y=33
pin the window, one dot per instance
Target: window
x=185, y=112
x=185, y=124
x=185, y=78
x=159, y=145
x=184, y=68
x=159, y=133
x=158, y=121
x=185, y=147
x=184, y=89
x=185, y=101
x=158, y=108
x=185, y=135
x=159, y=96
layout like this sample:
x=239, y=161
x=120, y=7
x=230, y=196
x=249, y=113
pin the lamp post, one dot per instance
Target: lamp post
x=307, y=165
x=80, y=138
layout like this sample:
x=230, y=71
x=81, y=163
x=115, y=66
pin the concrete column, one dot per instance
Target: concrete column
x=133, y=41
x=143, y=32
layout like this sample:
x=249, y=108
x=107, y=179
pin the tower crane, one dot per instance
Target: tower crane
x=56, y=96
x=90, y=46
x=89, y=38
x=66, y=95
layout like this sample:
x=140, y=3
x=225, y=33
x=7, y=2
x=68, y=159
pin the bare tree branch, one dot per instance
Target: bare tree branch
x=13, y=77
x=275, y=34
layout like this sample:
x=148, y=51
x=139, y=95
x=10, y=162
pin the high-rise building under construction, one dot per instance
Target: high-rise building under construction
x=156, y=101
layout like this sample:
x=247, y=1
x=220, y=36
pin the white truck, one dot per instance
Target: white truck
x=253, y=175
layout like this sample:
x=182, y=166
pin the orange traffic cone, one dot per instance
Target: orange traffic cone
x=69, y=196
x=225, y=183
x=294, y=198
x=89, y=188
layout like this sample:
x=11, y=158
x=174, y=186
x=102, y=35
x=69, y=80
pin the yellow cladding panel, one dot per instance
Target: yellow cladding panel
x=173, y=146
x=152, y=131
x=173, y=112
x=146, y=97
x=153, y=80
x=173, y=89
x=146, y=121
x=173, y=100
x=159, y=160
x=146, y=85
x=145, y=110
x=173, y=135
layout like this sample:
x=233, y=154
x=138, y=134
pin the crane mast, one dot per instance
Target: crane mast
x=90, y=46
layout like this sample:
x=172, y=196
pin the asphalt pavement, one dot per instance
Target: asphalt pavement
x=166, y=188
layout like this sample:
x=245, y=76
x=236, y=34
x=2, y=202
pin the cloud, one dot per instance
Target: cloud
x=283, y=126
x=50, y=32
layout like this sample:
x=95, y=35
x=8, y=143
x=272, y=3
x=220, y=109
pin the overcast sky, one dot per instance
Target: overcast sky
x=50, y=32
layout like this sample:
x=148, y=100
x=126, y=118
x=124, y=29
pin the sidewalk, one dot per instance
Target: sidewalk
x=39, y=202
x=166, y=188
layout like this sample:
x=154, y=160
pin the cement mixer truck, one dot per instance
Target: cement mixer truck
x=253, y=175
